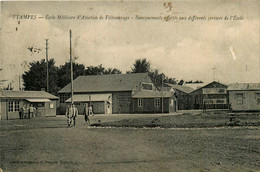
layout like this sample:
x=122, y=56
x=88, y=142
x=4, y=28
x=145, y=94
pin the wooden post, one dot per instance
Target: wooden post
x=71, y=70
x=47, y=62
x=162, y=92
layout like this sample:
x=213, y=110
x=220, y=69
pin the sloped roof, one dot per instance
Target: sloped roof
x=166, y=88
x=105, y=83
x=182, y=88
x=205, y=85
x=153, y=94
x=26, y=94
x=92, y=97
x=195, y=86
x=244, y=86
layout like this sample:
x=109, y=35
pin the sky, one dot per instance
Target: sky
x=182, y=49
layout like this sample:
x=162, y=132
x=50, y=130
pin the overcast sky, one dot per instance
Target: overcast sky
x=182, y=49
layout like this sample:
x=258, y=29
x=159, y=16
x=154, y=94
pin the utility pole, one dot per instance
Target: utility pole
x=162, y=92
x=47, y=62
x=71, y=68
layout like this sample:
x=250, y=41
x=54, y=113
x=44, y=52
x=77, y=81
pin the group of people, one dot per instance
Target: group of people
x=72, y=113
x=30, y=111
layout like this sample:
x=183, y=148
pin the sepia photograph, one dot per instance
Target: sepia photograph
x=130, y=86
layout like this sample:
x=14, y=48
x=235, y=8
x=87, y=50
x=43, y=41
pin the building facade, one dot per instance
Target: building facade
x=109, y=93
x=182, y=94
x=154, y=102
x=244, y=96
x=12, y=101
x=213, y=96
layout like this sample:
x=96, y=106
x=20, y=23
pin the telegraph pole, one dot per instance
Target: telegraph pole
x=47, y=62
x=162, y=92
x=71, y=68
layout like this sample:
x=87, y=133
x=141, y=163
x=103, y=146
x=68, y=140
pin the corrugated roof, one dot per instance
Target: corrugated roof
x=26, y=94
x=182, y=88
x=152, y=94
x=104, y=83
x=93, y=97
x=244, y=86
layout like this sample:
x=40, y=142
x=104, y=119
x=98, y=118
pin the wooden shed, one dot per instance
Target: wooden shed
x=213, y=95
x=244, y=96
x=12, y=101
x=182, y=94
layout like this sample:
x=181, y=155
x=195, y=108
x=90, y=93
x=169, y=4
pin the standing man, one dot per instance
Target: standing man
x=29, y=115
x=86, y=114
x=31, y=109
x=21, y=113
x=71, y=114
x=230, y=107
x=24, y=112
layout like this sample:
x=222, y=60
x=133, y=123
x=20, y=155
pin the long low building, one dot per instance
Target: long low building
x=114, y=93
x=12, y=101
x=244, y=96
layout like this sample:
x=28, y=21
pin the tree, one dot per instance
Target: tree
x=172, y=81
x=157, y=77
x=112, y=71
x=95, y=70
x=36, y=78
x=64, y=73
x=194, y=82
x=141, y=66
x=181, y=82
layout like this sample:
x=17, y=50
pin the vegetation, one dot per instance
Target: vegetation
x=35, y=78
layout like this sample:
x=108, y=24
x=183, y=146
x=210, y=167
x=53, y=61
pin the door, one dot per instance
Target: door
x=109, y=108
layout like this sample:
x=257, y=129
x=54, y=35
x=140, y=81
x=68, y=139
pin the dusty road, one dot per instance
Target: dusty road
x=48, y=145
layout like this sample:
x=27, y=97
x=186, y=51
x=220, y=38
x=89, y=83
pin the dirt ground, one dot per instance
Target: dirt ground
x=46, y=144
x=186, y=119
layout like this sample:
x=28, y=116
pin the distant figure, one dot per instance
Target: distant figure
x=230, y=107
x=31, y=110
x=90, y=110
x=24, y=111
x=204, y=107
x=28, y=110
x=21, y=113
x=71, y=114
x=86, y=113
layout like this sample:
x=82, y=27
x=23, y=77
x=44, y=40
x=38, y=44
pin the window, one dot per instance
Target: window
x=140, y=102
x=239, y=97
x=156, y=102
x=147, y=86
x=13, y=106
x=16, y=106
